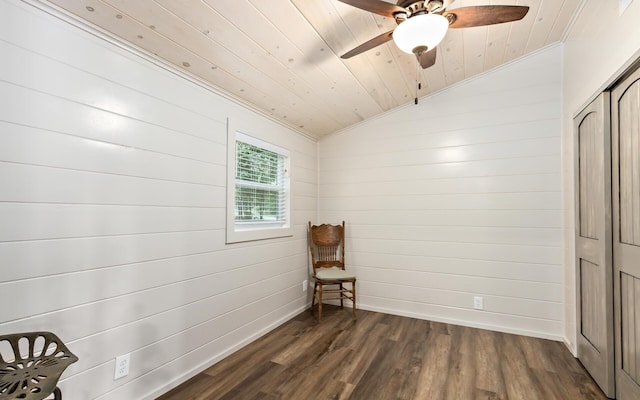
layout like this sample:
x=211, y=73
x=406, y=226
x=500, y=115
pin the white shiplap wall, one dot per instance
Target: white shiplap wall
x=459, y=196
x=112, y=202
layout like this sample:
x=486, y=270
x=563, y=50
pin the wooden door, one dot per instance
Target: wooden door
x=625, y=122
x=594, y=272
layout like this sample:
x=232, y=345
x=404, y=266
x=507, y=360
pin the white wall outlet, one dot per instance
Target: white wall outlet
x=122, y=366
x=478, y=303
x=305, y=285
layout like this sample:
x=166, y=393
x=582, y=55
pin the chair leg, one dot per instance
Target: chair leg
x=57, y=394
x=313, y=298
x=319, y=302
x=353, y=287
x=341, y=295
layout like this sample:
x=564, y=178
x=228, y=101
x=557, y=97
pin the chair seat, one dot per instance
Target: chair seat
x=334, y=274
x=33, y=375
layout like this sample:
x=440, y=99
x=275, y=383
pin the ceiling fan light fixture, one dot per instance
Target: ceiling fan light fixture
x=417, y=32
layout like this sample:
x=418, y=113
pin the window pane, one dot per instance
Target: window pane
x=256, y=165
x=257, y=204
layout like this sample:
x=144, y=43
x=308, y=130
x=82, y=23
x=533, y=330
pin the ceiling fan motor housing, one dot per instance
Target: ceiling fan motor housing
x=421, y=7
x=417, y=8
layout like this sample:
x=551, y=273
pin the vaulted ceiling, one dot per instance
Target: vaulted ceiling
x=283, y=56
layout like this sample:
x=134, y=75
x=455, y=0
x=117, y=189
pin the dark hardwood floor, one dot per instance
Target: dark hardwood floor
x=383, y=356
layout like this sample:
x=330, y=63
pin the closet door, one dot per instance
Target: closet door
x=594, y=273
x=625, y=119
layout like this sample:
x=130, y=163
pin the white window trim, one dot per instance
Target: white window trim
x=247, y=231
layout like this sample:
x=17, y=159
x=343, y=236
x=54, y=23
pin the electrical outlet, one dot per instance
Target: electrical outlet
x=478, y=303
x=122, y=366
x=305, y=285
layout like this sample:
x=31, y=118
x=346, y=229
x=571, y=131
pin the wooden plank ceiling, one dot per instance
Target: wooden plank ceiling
x=283, y=56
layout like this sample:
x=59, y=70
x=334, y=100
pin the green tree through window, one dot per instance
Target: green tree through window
x=259, y=184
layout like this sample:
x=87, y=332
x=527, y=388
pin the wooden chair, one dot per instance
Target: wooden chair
x=31, y=364
x=326, y=244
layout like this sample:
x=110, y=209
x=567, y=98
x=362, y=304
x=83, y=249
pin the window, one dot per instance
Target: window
x=261, y=191
x=258, y=193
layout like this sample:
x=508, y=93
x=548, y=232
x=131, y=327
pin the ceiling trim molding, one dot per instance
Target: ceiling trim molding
x=572, y=22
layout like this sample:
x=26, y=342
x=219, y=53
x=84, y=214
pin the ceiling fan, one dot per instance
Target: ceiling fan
x=423, y=24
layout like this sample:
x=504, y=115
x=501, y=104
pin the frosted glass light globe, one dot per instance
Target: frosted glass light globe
x=422, y=30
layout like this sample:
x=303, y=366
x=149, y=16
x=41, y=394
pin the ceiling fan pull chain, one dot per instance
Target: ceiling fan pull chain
x=418, y=86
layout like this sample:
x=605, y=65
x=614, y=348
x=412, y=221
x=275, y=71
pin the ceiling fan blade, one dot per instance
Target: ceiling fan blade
x=465, y=17
x=427, y=58
x=376, y=6
x=369, y=44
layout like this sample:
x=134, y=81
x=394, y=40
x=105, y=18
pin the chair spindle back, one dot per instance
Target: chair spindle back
x=327, y=245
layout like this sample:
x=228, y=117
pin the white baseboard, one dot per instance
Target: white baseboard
x=471, y=324
x=570, y=347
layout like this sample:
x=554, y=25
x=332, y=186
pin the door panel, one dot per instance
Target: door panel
x=625, y=120
x=594, y=276
x=589, y=173
x=630, y=318
x=590, y=298
x=630, y=159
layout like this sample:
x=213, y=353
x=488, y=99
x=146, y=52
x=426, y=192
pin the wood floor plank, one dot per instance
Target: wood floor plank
x=462, y=368
x=435, y=367
x=486, y=395
x=549, y=387
x=196, y=388
x=534, y=354
x=379, y=373
x=381, y=356
x=409, y=363
x=261, y=374
x=243, y=362
x=314, y=377
x=489, y=378
x=335, y=390
x=517, y=378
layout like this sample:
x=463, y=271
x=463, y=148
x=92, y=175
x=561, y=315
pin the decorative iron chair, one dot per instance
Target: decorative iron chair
x=31, y=364
x=326, y=244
